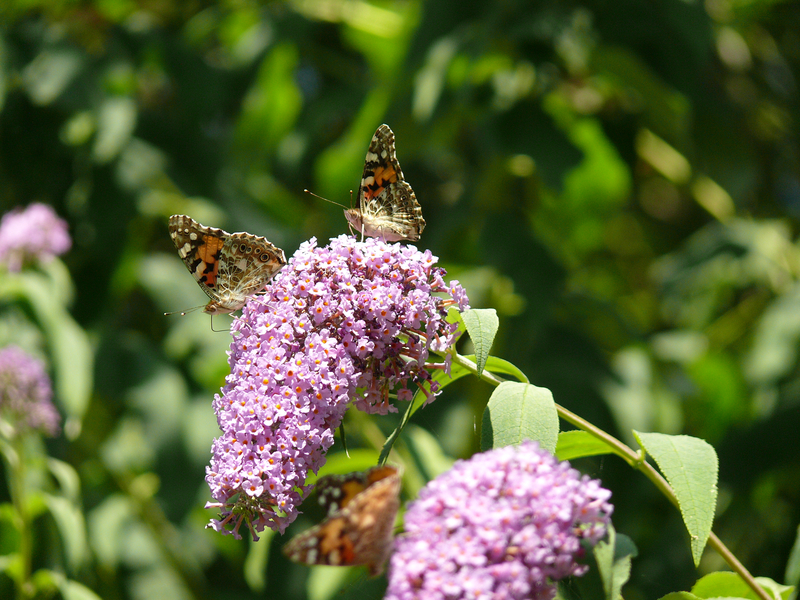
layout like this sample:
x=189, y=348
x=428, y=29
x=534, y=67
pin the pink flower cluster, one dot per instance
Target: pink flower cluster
x=505, y=524
x=349, y=321
x=35, y=233
x=26, y=392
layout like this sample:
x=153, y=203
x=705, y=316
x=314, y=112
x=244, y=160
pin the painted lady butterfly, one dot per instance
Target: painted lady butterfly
x=361, y=509
x=387, y=207
x=228, y=267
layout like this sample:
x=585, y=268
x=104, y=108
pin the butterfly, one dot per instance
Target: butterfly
x=386, y=207
x=228, y=267
x=361, y=508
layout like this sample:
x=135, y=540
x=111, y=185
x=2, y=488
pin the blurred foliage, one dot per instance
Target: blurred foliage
x=621, y=181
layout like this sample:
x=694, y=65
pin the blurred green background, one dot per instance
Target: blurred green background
x=620, y=180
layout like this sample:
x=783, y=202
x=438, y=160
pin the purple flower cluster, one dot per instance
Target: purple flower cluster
x=26, y=393
x=35, y=233
x=504, y=524
x=349, y=321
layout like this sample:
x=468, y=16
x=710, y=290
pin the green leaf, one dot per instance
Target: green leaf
x=257, y=561
x=482, y=324
x=393, y=437
x=271, y=106
x=11, y=564
x=109, y=525
x=70, y=590
x=518, y=412
x=679, y=596
x=116, y=121
x=73, y=359
x=690, y=465
x=47, y=76
x=325, y=583
x=724, y=584
x=503, y=367
x=577, y=444
x=428, y=452
x=792, y=576
x=614, y=562
x=72, y=527
x=67, y=477
x=784, y=592
x=339, y=463
x=70, y=349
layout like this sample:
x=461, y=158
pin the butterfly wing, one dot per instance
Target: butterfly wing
x=337, y=491
x=229, y=268
x=358, y=529
x=200, y=248
x=248, y=263
x=387, y=207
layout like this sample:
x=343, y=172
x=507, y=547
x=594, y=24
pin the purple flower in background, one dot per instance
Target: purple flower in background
x=26, y=392
x=349, y=321
x=35, y=233
x=507, y=523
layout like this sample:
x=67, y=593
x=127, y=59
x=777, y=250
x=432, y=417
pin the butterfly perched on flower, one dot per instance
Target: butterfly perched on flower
x=228, y=267
x=361, y=508
x=386, y=207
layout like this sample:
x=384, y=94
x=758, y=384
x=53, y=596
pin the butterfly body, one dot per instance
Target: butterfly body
x=361, y=509
x=228, y=267
x=386, y=206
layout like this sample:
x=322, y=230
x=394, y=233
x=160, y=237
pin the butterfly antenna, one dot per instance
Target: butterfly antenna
x=182, y=313
x=326, y=200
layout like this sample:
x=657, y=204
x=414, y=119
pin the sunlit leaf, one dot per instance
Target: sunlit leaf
x=116, y=121
x=517, y=412
x=724, y=584
x=68, y=479
x=72, y=529
x=73, y=590
x=273, y=102
x=325, y=583
x=427, y=450
x=257, y=561
x=70, y=349
x=792, y=576
x=690, y=465
x=482, y=324
x=47, y=76
x=613, y=558
x=577, y=444
x=108, y=524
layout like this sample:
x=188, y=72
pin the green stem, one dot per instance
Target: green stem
x=636, y=460
x=141, y=490
x=468, y=364
x=25, y=588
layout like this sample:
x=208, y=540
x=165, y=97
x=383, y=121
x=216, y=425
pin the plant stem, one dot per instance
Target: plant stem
x=636, y=460
x=22, y=518
x=141, y=491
